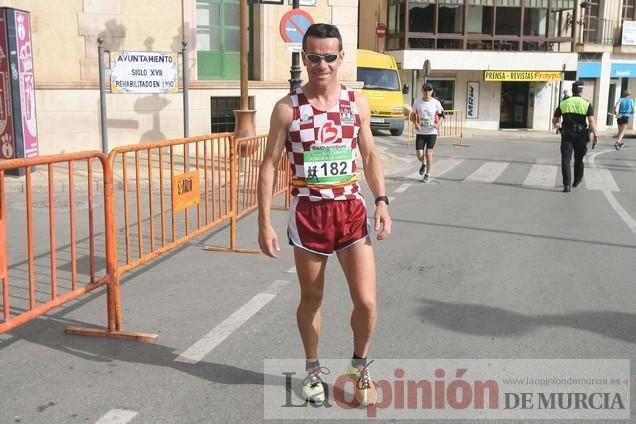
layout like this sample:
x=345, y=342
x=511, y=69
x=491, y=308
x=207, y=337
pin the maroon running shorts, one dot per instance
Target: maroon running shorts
x=326, y=226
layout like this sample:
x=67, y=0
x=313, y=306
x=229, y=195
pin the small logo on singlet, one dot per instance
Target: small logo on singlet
x=328, y=133
x=346, y=115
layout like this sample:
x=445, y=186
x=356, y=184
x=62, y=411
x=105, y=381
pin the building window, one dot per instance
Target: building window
x=534, y=21
x=395, y=20
x=591, y=18
x=559, y=23
x=422, y=17
x=451, y=18
x=222, y=113
x=508, y=21
x=628, y=10
x=218, y=45
x=480, y=19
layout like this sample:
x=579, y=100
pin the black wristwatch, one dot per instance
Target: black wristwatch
x=382, y=199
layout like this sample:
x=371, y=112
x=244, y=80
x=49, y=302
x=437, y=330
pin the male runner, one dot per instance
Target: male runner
x=322, y=126
x=428, y=115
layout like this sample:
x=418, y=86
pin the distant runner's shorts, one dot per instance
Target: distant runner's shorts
x=425, y=141
x=326, y=226
x=622, y=120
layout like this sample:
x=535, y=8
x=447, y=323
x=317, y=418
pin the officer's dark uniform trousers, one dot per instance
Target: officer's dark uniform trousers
x=577, y=142
x=574, y=137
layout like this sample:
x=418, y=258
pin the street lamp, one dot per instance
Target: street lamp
x=244, y=117
x=295, y=80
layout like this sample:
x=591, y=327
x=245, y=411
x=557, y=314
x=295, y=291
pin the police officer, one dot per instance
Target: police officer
x=574, y=110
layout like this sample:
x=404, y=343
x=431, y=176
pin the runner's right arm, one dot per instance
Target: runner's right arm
x=416, y=117
x=278, y=128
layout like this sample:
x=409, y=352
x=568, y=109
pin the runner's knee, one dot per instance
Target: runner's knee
x=366, y=305
x=311, y=299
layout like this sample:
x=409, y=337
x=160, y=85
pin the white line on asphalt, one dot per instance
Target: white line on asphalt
x=611, y=199
x=443, y=166
x=207, y=343
x=292, y=270
x=439, y=168
x=487, y=173
x=625, y=216
x=599, y=179
x=541, y=176
x=403, y=187
x=117, y=416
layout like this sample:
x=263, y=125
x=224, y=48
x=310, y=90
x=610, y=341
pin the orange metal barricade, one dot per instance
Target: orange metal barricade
x=250, y=151
x=452, y=126
x=151, y=221
x=25, y=295
x=151, y=224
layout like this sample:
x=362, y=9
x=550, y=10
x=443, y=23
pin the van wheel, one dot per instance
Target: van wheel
x=397, y=131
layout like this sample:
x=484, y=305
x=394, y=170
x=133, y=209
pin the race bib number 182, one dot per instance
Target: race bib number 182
x=328, y=166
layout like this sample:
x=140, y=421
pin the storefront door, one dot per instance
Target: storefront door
x=514, y=105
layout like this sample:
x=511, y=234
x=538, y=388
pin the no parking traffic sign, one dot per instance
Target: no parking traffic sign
x=293, y=26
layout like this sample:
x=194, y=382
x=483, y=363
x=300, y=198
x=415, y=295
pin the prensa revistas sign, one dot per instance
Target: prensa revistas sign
x=522, y=75
x=144, y=72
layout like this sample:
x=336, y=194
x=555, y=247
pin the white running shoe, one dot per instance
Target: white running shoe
x=313, y=390
x=365, y=392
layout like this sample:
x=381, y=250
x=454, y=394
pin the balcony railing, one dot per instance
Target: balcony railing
x=602, y=31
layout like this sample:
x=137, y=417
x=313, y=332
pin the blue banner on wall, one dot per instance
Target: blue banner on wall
x=623, y=70
x=589, y=70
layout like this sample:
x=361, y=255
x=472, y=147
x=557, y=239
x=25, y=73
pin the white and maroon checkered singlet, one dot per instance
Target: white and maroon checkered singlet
x=322, y=148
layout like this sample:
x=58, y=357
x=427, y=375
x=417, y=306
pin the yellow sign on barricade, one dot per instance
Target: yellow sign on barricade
x=185, y=190
x=451, y=126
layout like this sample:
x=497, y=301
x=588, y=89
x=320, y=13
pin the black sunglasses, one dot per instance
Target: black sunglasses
x=315, y=58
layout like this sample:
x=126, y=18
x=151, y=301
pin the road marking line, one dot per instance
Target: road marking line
x=599, y=179
x=292, y=270
x=403, y=187
x=611, y=199
x=445, y=165
x=210, y=341
x=117, y=416
x=487, y=173
x=439, y=168
x=625, y=216
x=542, y=176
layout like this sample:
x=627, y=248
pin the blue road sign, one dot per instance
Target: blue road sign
x=294, y=24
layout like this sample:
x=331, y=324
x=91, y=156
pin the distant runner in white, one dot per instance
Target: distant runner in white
x=427, y=117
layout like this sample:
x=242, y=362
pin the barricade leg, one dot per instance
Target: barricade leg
x=32, y=306
x=113, y=293
x=237, y=162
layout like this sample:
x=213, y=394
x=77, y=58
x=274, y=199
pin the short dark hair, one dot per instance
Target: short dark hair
x=323, y=31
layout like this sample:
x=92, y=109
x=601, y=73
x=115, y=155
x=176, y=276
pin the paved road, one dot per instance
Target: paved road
x=491, y=260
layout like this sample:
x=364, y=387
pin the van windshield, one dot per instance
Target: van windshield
x=379, y=79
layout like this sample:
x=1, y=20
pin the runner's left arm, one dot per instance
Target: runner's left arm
x=373, y=171
x=440, y=113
